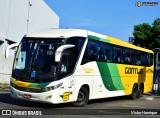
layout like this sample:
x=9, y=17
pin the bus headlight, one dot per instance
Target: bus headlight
x=52, y=87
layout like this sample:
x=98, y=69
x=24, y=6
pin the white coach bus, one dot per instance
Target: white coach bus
x=72, y=65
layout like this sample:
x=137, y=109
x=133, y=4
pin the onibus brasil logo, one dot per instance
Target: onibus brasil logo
x=139, y=4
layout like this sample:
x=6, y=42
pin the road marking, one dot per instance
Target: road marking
x=133, y=106
x=149, y=98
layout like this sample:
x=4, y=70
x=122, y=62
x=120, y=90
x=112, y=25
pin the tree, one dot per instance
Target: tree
x=156, y=33
x=147, y=36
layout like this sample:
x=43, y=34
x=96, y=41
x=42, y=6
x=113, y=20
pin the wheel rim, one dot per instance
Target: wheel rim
x=81, y=97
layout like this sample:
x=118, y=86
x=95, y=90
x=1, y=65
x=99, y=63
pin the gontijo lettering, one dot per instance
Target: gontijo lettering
x=129, y=70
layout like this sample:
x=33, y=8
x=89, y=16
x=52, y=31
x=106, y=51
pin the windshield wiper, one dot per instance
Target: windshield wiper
x=33, y=58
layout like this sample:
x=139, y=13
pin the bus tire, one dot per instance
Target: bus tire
x=134, y=92
x=83, y=97
x=138, y=93
x=141, y=89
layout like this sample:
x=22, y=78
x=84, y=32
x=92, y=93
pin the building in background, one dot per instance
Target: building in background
x=131, y=38
x=18, y=17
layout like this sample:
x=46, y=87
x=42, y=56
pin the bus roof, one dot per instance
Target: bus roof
x=58, y=33
x=66, y=33
x=126, y=44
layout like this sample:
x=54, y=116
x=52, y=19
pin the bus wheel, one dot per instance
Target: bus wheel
x=138, y=93
x=83, y=97
x=141, y=89
x=134, y=92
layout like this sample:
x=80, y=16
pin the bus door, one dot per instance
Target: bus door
x=66, y=68
x=156, y=79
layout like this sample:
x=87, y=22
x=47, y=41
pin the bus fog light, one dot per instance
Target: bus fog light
x=48, y=97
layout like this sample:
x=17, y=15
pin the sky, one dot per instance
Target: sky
x=114, y=18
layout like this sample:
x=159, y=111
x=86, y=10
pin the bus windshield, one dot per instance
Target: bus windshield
x=35, y=59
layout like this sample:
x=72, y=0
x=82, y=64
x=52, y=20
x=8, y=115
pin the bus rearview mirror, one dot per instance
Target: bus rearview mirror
x=9, y=47
x=59, y=51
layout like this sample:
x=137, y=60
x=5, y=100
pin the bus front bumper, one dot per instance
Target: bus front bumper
x=47, y=97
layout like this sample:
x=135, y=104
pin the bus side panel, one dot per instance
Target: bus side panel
x=136, y=74
x=111, y=79
x=81, y=80
x=89, y=74
x=149, y=79
x=110, y=76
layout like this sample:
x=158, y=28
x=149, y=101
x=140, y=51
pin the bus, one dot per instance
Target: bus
x=74, y=65
x=156, y=78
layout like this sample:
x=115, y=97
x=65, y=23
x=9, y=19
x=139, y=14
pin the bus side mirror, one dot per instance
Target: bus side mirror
x=9, y=47
x=59, y=51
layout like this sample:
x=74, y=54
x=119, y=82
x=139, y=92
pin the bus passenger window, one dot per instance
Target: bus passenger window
x=148, y=59
x=86, y=55
x=151, y=60
x=93, y=53
x=107, y=53
x=117, y=58
x=133, y=57
x=127, y=56
x=144, y=59
x=117, y=55
x=100, y=53
x=138, y=58
x=123, y=56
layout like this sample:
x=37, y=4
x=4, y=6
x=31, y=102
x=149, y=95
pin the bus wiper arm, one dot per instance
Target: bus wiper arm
x=33, y=58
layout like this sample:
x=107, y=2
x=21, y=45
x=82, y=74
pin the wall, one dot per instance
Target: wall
x=18, y=17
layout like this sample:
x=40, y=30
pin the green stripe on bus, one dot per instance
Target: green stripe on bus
x=116, y=76
x=110, y=76
x=106, y=76
x=99, y=39
x=39, y=85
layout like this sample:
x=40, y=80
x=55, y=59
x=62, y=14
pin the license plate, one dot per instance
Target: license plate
x=27, y=96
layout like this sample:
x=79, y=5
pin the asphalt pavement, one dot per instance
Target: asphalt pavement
x=113, y=107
